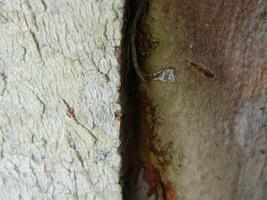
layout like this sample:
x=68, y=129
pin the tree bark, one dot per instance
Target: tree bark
x=59, y=99
x=207, y=131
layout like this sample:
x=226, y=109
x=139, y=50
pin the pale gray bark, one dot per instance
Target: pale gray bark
x=56, y=58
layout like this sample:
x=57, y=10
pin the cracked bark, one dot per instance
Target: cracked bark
x=54, y=50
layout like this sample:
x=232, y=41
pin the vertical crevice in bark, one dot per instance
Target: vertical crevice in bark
x=140, y=178
x=130, y=134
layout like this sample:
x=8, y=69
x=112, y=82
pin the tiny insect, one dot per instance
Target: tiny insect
x=164, y=75
x=201, y=68
x=70, y=110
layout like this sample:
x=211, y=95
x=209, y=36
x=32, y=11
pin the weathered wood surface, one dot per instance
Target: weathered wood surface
x=59, y=81
x=230, y=38
x=213, y=130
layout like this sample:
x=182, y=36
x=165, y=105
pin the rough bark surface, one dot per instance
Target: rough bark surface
x=59, y=81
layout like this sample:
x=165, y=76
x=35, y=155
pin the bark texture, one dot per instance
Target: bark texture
x=59, y=110
x=230, y=37
x=211, y=133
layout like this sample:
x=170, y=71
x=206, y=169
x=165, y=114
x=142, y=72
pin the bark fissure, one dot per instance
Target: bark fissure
x=50, y=50
x=71, y=114
x=3, y=79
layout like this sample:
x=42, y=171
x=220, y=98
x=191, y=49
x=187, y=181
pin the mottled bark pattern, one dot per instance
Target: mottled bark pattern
x=231, y=38
x=217, y=121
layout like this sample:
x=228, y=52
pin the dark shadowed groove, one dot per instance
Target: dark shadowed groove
x=130, y=103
